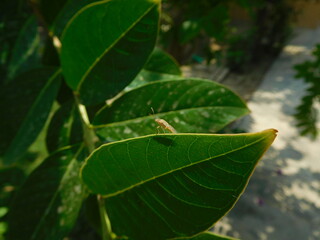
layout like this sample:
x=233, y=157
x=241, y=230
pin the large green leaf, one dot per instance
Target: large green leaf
x=190, y=105
x=47, y=205
x=25, y=104
x=106, y=44
x=26, y=51
x=65, y=127
x=173, y=185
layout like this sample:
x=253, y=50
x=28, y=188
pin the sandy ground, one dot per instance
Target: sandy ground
x=282, y=200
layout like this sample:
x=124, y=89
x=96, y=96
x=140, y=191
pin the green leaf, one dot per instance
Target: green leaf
x=160, y=66
x=48, y=204
x=189, y=105
x=25, y=104
x=162, y=62
x=108, y=56
x=26, y=51
x=210, y=236
x=146, y=76
x=65, y=127
x=173, y=185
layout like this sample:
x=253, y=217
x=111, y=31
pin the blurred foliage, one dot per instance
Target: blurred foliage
x=306, y=113
x=13, y=15
x=206, y=29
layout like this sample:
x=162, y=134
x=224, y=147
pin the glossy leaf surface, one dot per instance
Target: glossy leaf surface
x=190, y=105
x=108, y=56
x=173, y=185
x=47, y=205
x=24, y=112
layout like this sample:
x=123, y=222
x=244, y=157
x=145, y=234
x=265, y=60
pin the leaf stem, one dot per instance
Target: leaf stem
x=105, y=222
x=89, y=135
x=90, y=139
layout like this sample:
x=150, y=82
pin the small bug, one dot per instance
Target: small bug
x=164, y=124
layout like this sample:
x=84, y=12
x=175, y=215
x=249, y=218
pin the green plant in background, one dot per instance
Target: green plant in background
x=198, y=30
x=187, y=27
x=94, y=82
x=306, y=113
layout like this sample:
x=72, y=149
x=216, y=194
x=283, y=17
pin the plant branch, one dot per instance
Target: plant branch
x=105, y=222
x=90, y=139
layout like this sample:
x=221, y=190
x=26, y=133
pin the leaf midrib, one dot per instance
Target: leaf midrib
x=181, y=168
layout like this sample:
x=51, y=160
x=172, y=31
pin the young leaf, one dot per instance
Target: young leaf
x=173, y=185
x=113, y=41
x=190, y=105
x=47, y=205
x=25, y=104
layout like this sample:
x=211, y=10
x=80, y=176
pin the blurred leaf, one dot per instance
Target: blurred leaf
x=173, y=185
x=27, y=50
x=103, y=62
x=13, y=15
x=190, y=105
x=65, y=127
x=306, y=113
x=189, y=30
x=25, y=104
x=162, y=62
x=50, y=9
x=10, y=180
x=215, y=22
x=47, y=205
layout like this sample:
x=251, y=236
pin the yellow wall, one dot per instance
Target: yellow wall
x=309, y=14
x=308, y=17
